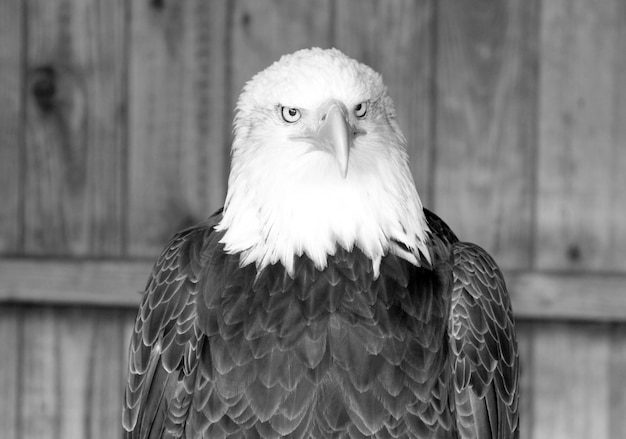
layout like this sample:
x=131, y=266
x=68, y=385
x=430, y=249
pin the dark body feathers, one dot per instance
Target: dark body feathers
x=417, y=352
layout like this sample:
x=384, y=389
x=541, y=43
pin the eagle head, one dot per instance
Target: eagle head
x=319, y=161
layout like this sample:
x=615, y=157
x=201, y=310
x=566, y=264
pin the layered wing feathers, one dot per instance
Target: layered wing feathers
x=485, y=360
x=165, y=343
x=484, y=347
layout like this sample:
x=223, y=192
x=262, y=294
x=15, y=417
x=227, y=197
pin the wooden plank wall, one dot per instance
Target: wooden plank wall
x=115, y=123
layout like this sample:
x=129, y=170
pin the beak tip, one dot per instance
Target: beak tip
x=343, y=170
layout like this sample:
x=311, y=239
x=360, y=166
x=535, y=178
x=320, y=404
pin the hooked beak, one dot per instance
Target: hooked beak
x=335, y=134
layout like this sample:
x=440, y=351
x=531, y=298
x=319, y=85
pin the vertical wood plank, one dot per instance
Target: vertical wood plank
x=179, y=137
x=264, y=30
x=486, y=91
x=39, y=412
x=404, y=57
x=11, y=128
x=582, y=136
x=75, y=331
x=571, y=385
x=71, y=385
x=74, y=127
x=108, y=364
x=9, y=370
x=617, y=381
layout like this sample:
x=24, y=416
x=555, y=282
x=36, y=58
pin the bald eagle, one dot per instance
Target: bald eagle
x=323, y=300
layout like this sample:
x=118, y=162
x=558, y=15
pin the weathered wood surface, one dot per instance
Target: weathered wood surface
x=111, y=283
x=581, y=201
x=180, y=116
x=72, y=363
x=577, y=390
x=10, y=370
x=262, y=31
x=11, y=119
x=485, y=111
x=616, y=379
x=566, y=296
x=115, y=123
x=74, y=128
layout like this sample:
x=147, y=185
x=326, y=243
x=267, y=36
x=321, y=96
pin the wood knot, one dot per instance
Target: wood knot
x=574, y=253
x=44, y=87
x=246, y=19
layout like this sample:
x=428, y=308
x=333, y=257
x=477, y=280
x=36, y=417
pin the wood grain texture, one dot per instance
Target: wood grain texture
x=115, y=129
x=571, y=381
x=581, y=201
x=108, y=362
x=11, y=122
x=180, y=118
x=486, y=90
x=10, y=349
x=73, y=282
x=264, y=30
x=617, y=380
x=74, y=127
x=75, y=331
x=556, y=295
x=74, y=362
x=404, y=57
x=38, y=409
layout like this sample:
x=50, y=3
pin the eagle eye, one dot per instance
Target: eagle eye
x=290, y=115
x=360, y=109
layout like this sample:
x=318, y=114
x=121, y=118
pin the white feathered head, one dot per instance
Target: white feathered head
x=319, y=161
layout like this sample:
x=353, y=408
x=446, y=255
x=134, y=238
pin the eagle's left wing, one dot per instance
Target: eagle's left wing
x=165, y=348
x=482, y=339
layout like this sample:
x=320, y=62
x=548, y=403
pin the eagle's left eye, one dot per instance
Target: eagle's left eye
x=290, y=115
x=360, y=109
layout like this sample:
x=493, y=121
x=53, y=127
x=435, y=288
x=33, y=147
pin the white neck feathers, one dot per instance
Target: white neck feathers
x=304, y=206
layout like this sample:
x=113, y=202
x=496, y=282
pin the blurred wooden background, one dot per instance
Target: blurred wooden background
x=115, y=122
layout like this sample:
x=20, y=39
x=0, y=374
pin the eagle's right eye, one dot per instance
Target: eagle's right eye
x=290, y=115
